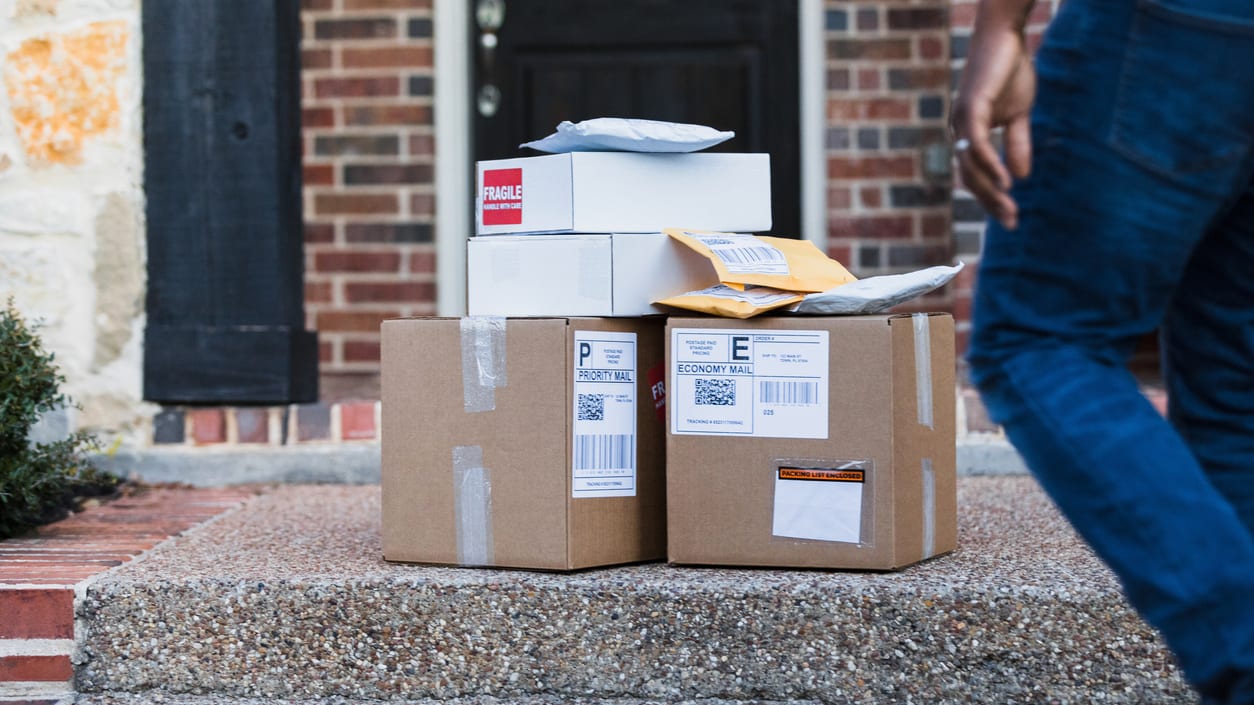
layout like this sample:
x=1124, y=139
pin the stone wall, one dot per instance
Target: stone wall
x=71, y=192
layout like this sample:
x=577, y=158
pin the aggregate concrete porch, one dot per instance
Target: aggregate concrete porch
x=288, y=598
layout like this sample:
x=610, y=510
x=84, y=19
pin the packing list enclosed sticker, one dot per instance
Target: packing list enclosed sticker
x=603, y=460
x=764, y=383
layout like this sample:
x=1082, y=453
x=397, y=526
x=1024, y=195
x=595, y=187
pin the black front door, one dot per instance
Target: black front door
x=728, y=64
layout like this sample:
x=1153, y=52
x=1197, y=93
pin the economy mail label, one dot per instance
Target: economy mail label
x=603, y=459
x=764, y=383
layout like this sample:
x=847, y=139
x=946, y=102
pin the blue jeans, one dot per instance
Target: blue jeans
x=1139, y=215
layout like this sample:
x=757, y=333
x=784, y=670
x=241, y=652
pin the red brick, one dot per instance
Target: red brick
x=353, y=321
x=318, y=292
x=355, y=204
x=252, y=424
x=326, y=352
x=422, y=263
x=935, y=225
x=870, y=167
x=962, y=308
x=316, y=4
x=421, y=146
x=869, y=49
x=315, y=59
x=422, y=204
x=361, y=351
x=357, y=421
x=931, y=48
x=318, y=174
x=962, y=15
x=408, y=114
x=916, y=18
x=868, y=79
x=401, y=57
x=319, y=232
x=37, y=614
x=840, y=253
x=385, y=174
x=356, y=28
x=871, y=196
x=848, y=110
x=342, y=261
x=317, y=117
x=392, y=292
x=839, y=198
x=36, y=669
x=838, y=80
x=208, y=425
x=919, y=78
x=357, y=87
x=883, y=226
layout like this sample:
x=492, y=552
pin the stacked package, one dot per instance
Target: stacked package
x=536, y=433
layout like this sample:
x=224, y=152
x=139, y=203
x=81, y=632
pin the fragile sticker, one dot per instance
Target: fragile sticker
x=603, y=457
x=502, y=196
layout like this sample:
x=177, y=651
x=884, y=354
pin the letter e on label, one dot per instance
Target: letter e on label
x=502, y=196
x=740, y=348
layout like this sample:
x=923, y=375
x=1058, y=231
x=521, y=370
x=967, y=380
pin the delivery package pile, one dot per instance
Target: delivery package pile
x=617, y=396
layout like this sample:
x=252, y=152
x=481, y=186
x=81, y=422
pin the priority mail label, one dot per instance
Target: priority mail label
x=603, y=459
x=502, y=196
x=763, y=383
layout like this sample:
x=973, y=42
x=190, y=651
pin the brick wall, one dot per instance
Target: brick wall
x=369, y=156
x=968, y=216
x=369, y=148
x=887, y=101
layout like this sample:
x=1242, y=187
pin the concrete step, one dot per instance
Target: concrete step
x=288, y=598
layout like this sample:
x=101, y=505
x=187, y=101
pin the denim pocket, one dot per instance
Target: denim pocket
x=1184, y=97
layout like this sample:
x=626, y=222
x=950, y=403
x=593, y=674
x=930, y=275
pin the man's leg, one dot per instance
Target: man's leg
x=1123, y=189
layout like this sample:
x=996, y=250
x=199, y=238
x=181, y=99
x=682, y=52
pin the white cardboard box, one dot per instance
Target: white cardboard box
x=580, y=275
x=623, y=192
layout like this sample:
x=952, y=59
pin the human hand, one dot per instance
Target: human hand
x=997, y=89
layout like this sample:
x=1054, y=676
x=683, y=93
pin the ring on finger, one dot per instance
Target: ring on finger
x=962, y=145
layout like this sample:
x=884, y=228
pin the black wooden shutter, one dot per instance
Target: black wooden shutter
x=223, y=184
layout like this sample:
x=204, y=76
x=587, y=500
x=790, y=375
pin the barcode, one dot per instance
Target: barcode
x=714, y=392
x=604, y=451
x=750, y=255
x=800, y=393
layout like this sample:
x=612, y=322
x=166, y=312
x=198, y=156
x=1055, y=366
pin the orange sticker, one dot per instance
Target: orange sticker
x=822, y=474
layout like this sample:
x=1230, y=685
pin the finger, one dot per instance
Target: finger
x=973, y=121
x=991, y=196
x=1019, y=147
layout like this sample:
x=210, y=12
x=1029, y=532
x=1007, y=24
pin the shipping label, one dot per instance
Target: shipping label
x=603, y=459
x=744, y=254
x=762, y=383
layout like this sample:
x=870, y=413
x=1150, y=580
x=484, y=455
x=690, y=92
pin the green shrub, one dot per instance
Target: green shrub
x=40, y=482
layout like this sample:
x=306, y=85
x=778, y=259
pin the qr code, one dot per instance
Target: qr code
x=591, y=407
x=716, y=392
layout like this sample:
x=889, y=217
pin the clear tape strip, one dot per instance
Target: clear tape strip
x=923, y=367
x=483, y=361
x=472, y=506
x=929, y=509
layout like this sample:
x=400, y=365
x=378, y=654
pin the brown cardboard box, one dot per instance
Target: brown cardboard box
x=814, y=442
x=482, y=420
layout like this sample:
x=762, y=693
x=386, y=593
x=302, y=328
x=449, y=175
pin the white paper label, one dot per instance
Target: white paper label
x=823, y=504
x=755, y=295
x=764, y=383
x=603, y=459
x=744, y=254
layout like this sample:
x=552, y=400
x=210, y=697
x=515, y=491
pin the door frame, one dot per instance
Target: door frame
x=454, y=158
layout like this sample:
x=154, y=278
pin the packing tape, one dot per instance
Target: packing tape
x=923, y=367
x=929, y=509
x=483, y=361
x=472, y=506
